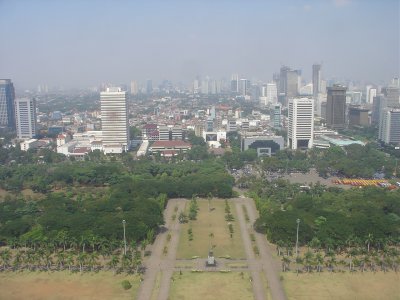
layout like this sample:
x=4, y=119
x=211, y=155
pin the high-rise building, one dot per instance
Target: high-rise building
x=301, y=123
x=244, y=86
x=114, y=120
x=358, y=116
x=235, y=83
x=7, y=111
x=336, y=107
x=134, y=88
x=25, y=116
x=149, y=86
x=316, y=80
x=276, y=116
x=392, y=94
x=376, y=109
x=272, y=93
x=389, y=126
x=292, y=88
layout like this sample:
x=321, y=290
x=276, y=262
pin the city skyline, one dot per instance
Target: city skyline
x=78, y=44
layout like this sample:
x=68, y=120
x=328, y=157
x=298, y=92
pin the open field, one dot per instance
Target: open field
x=211, y=222
x=63, y=285
x=342, y=286
x=211, y=286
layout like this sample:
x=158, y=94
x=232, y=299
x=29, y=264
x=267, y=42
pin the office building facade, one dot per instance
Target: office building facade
x=301, y=123
x=25, y=116
x=7, y=110
x=114, y=119
x=316, y=80
x=389, y=126
x=336, y=107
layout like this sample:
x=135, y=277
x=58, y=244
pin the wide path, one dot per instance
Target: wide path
x=158, y=260
x=271, y=267
x=258, y=288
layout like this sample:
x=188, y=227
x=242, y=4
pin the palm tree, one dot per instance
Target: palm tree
x=365, y=260
x=60, y=259
x=279, y=245
x=81, y=259
x=299, y=260
x=5, y=257
x=125, y=262
x=70, y=260
x=368, y=240
x=47, y=258
x=92, y=259
x=285, y=263
x=308, y=260
x=114, y=261
x=319, y=261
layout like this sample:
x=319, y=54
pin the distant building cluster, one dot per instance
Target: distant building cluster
x=163, y=117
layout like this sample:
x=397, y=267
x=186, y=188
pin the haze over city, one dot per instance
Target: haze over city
x=83, y=43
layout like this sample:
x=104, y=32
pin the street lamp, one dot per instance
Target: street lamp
x=297, y=237
x=123, y=224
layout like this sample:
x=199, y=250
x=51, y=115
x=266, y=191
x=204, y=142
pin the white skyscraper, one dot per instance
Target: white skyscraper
x=301, y=123
x=114, y=120
x=25, y=117
x=272, y=93
x=134, y=87
x=389, y=126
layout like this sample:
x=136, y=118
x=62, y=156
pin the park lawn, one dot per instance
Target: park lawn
x=211, y=222
x=211, y=286
x=338, y=286
x=64, y=285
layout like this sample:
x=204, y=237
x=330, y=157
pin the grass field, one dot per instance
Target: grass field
x=342, y=286
x=63, y=285
x=211, y=222
x=211, y=286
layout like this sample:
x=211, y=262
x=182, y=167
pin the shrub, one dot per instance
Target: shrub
x=126, y=284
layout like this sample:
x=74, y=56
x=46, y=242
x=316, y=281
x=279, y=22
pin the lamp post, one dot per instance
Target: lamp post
x=123, y=224
x=297, y=237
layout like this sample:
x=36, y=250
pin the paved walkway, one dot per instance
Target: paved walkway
x=271, y=267
x=158, y=261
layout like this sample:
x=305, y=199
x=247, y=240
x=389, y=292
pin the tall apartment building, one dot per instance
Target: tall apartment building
x=276, y=116
x=7, y=111
x=316, y=80
x=376, y=109
x=25, y=116
x=389, y=126
x=134, y=87
x=336, y=107
x=392, y=94
x=272, y=93
x=301, y=123
x=114, y=120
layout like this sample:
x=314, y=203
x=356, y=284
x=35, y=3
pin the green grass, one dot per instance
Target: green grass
x=211, y=286
x=211, y=222
x=342, y=286
x=64, y=285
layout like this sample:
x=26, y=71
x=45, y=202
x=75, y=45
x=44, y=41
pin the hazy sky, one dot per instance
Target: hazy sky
x=83, y=43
